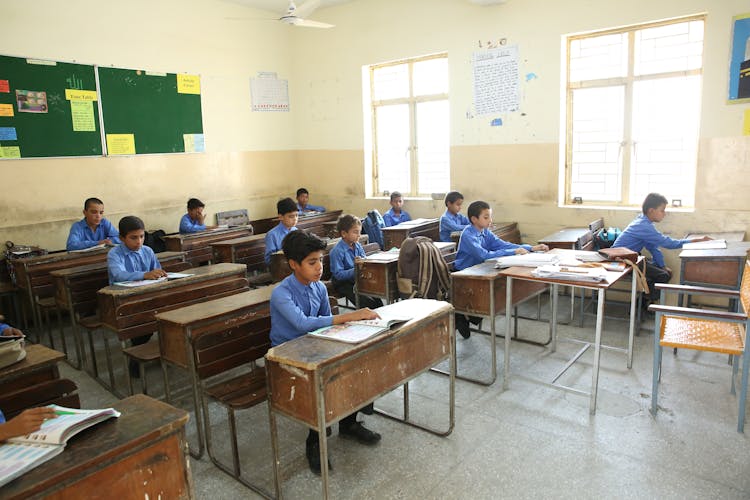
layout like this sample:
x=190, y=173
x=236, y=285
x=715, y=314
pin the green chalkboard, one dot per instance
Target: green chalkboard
x=44, y=117
x=151, y=108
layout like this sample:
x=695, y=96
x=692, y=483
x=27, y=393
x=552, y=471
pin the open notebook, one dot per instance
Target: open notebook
x=355, y=332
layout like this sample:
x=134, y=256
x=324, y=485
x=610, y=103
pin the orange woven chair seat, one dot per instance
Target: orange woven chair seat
x=702, y=334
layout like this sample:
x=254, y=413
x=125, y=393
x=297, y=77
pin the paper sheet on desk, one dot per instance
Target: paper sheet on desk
x=531, y=259
x=133, y=284
x=586, y=274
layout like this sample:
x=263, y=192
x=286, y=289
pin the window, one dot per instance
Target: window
x=633, y=113
x=408, y=119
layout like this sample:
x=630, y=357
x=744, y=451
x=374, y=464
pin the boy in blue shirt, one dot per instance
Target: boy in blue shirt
x=8, y=331
x=396, y=215
x=303, y=195
x=93, y=229
x=342, y=258
x=26, y=422
x=288, y=215
x=299, y=304
x=194, y=220
x=641, y=233
x=451, y=220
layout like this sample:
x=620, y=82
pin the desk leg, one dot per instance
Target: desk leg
x=553, y=321
x=634, y=311
x=508, y=319
x=322, y=438
x=597, y=351
x=274, y=444
x=197, y=400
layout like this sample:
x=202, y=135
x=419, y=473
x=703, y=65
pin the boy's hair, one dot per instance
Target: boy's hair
x=286, y=205
x=346, y=222
x=90, y=201
x=130, y=223
x=395, y=195
x=453, y=197
x=195, y=203
x=297, y=245
x=476, y=207
x=302, y=191
x=653, y=200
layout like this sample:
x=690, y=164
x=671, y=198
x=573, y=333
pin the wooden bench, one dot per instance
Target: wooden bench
x=197, y=246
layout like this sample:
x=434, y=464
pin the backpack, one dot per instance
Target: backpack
x=373, y=225
x=155, y=240
x=605, y=238
x=422, y=270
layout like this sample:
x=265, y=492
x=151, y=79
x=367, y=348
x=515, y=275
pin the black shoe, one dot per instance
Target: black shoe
x=360, y=433
x=312, y=450
x=476, y=320
x=462, y=325
x=134, y=369
x=368, y=410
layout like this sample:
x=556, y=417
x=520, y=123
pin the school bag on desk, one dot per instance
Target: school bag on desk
x=605, y=238
x=422, y=270
x=373, y=225
x=13, y=252
x=12, y=350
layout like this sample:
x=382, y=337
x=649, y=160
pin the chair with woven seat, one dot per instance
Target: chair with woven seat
x=705, y=330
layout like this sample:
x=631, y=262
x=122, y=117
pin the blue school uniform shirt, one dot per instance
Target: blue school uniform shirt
x=3, y=327
x=128, y=265
x=308, y=207
x=2, y=417
x=187, y=225
x=274, y=238
x=476, y=246
x=451, y=222
x=297, y=309
x=342, y=260
x=391, y=219
x=643, y=233
x=81, y=236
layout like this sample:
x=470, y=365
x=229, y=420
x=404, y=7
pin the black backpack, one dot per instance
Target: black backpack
x=155, y=240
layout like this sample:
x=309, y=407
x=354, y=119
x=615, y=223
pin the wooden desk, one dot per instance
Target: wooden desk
x=40, y=365
x=248, y=250
x=395, y=235
x=721, y=268
x=329, y=229
x=279, y=266
x=197, y=246
x=728, y=235
x=317, y=382
x=312, y=222
x=506, y=231
x=573, y=238
x=141, y=454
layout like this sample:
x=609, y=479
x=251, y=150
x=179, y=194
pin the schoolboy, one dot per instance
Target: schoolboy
x=93, y=229
x=452, y=220
x=299, y=304
x=477, y=244
x=288, y=215
x=26, y=422
x=396, y=215
x=343, y=255
x=194, y=220
x=641, y=233
x=303, y=195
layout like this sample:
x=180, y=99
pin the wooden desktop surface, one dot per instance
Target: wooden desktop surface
x=727, y=235
x=141, y=454
x=394, y=236
x=312, y=222
x=197, y=246
x=570, y=238
x=39, y=365
x=721, y=266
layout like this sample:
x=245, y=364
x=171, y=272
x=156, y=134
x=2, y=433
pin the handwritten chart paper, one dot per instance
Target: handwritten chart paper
x=82, y=114
x=496, y=80
x=268, y=93
x=120, y=144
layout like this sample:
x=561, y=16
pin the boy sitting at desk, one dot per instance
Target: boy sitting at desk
x=194, y=220
x=8, y=331
x=396, y=215
x=288, y=215
x=93, y=229
x=303, y=195
x=642, y=233
x=451, y=220
x=478, y=244
x=343, y=256
x=299, y=304
x=26, y=422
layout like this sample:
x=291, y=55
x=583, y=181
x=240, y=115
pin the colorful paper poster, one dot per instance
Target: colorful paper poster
x=10, y=152
x=746, y=124
x=80, y=95
x=120, y=144
x=8, y=134
x=6, y=110
x=82, y=114
x=31, y=101
x=4, y=86
x=188, y=84
x=194, y=143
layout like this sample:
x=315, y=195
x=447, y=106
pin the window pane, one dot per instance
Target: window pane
x=392, y=148
x=433, y=146
x=391, y=82
x=597, y=57
x=666, y=116
x=675, y=47
x=431, y=77
x=596, y=162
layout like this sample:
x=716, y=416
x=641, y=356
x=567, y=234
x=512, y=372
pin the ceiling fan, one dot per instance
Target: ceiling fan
x=297, y=16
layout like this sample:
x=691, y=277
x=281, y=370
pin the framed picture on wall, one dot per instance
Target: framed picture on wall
x=739, y=64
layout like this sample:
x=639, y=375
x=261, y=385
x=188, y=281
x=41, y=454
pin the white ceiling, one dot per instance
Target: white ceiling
x=281, y=5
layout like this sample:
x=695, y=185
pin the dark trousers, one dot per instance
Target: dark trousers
x=656, y=274
x=346, y=289
x=312, y=436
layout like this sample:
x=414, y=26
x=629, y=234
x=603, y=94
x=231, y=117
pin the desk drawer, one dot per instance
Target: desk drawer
x=712, y=272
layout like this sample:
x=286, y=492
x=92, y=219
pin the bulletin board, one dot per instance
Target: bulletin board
x=48, y=109
x=146, y=112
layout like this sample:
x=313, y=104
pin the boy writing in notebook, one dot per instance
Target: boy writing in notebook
x=288, y=215
x=303, y=195
x=452, y=220
x=642, y=233
x=342, y=258
x=93, y=229
x=396, y=215
x=299, y=304
x=194, y=220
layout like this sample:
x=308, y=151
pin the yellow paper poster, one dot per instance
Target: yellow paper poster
x=10, y=152
x=746, y=125
x=6, y=110
x=82, y=113
x=189, y=143
x=80, y=95
x=188, y=84
x=120, y=144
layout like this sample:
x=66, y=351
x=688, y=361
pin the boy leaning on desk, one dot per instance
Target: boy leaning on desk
x=299, y=304
x=93, y=229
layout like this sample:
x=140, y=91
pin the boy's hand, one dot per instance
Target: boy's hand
x=521, y=251
x=12, y=332
x=106, y=242
x=28, y=421
x=705, y=238
x=541, y=247
x=155, y=274
x=365, y=313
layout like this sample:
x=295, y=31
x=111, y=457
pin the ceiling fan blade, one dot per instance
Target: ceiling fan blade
x=307, y=23
x=307, y=8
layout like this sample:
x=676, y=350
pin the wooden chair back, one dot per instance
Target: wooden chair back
x=223, y=350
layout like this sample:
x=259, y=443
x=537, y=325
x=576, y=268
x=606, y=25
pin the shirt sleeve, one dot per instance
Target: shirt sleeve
x=405, y=216
x=188, y=226
x=448, y=224
x=317, y=208
x=77, y=240
x=270, y=247
x=296, y=317
x=505, y=248
x=388, y=219
x=153, y=260
x=339, y=269
x=117, y=270
x=3, y=327
x=653, y=239
x=112, y=233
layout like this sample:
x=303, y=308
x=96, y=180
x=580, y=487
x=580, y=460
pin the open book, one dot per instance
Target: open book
x=355, y=332
x=705, y=245
x=21, y=454
x=89, y=249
